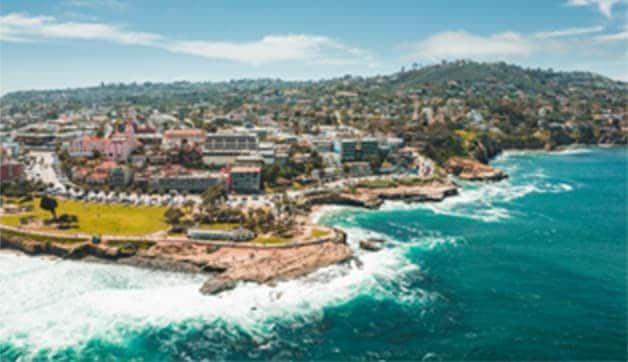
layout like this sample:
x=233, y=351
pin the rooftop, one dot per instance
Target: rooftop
x=245, y=169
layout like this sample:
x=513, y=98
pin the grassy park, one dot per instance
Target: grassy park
x=97, y=218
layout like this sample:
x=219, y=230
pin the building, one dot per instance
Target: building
x=119, y=176
x=11, y=170
x=230, y=141
x=250, y=160
x=323, y=145
x=224, y=148
x=118, y=147
x=221, y=234
x=11, y=149
x=177, y=137
x=100, y=174
x=367, y=148
x=350, y=149
x=358, y=169
x=346, y=149
x=245, y=179
x=192, y=182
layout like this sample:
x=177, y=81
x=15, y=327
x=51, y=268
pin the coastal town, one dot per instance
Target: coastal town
x=229, y=184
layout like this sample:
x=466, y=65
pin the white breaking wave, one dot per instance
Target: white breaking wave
x=564, y=152
x=55, y=304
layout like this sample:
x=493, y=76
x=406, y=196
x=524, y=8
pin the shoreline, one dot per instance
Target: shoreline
x=230, y=264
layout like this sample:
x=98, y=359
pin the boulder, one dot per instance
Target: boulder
x=371, y=244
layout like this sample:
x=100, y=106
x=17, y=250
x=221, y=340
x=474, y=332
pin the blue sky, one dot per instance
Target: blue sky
x=70, y=43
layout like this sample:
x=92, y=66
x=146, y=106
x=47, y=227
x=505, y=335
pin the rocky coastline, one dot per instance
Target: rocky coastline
x=229, y=264
x=373, y=198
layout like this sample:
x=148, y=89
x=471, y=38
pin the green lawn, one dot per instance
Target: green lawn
x=96, y=218
x=270, y=240
x=317, y=233
x=219, y=226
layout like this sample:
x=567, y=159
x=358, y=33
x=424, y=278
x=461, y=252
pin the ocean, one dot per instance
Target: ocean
x=530, y=268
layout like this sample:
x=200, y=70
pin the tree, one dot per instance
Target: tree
x=173, y=215
x=213, y=195
x=49, y=204
x=189, y=205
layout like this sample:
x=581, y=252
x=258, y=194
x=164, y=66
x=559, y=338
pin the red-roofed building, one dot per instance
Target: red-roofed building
x=175, y=137
x=118, y=147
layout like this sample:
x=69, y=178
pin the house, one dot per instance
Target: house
x=100, y=174
x=245, y=179
x=11, y=170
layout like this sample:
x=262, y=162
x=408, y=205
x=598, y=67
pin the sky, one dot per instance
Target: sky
x=52, y=44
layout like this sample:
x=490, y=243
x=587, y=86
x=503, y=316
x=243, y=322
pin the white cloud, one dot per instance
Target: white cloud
x=623, y=36
x=572, y=43
x=18, y=27
x=569, y=32
x=271, y=48
x=110, y=4
x=461, y=44
x=604, y=6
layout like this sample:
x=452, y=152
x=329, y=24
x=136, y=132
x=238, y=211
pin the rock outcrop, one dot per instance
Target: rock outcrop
x=373, y=198
x=270, y=265
x=371, y=244
x=473, y=170
x=229, y=264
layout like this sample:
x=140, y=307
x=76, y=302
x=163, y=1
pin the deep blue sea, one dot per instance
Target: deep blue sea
x=530, y=268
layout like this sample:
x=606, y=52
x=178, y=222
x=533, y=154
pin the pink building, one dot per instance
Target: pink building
x=118, y=147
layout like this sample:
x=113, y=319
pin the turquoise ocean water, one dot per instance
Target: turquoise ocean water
x=531, y=268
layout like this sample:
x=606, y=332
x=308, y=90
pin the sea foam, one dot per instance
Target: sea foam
x=56, y=304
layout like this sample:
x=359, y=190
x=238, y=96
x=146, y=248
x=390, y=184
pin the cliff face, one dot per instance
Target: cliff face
x=473, y=170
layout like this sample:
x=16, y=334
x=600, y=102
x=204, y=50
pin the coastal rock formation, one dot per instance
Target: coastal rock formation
x=270, y=265
x=229, y=263
x=373, y=198
x=371, y=244
x=345, y=199
x=473, y=170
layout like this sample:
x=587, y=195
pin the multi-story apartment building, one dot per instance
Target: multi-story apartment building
x=194, y=182
x=230, y=141
x=351, y=149
x=245, y=179
x=223, y=148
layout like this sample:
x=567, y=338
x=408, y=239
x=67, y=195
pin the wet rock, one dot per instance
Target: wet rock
x=371, y=244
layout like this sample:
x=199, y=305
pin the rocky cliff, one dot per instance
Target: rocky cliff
x=473, y=170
